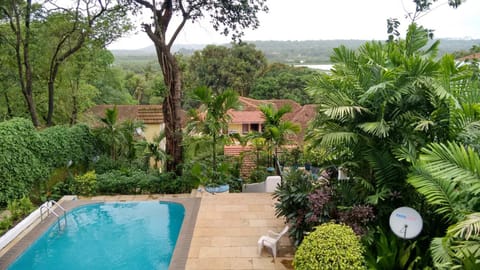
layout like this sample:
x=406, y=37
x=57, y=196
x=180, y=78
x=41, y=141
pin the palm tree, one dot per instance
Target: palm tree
x=110, y=134
x=275, y=129
x=379, y=107
x=153, y=150
x=448, y=175
x=212, y=118
x=117, y=138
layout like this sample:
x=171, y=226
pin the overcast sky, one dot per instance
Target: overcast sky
x=331, y=19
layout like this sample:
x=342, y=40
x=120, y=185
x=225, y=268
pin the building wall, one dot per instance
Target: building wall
x=152, y=130
x=236, y=127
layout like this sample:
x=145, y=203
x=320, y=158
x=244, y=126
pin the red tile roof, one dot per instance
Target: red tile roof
x=148, y=114
x=246, y=117
x=250, y=113
x=470, y=57
x=250, y=104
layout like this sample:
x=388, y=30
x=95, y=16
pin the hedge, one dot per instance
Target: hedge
x=28, y=156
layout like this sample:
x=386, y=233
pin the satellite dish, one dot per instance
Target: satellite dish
x=406, y=223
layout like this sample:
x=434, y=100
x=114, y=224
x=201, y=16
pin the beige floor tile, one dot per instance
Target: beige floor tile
x=227, y=229
x=210, y=252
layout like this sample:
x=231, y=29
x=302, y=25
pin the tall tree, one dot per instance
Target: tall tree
x=41, y=37
x=228, y=17
x=221, y=67
x=19, y=15
x=69, y=29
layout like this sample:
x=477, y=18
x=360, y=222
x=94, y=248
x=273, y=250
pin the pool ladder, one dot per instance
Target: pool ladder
x=49, y=207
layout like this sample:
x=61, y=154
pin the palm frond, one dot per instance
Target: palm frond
x=417, y=38
x=406, y=153
x=342, y=112
x=453, y=162
x=439, y=192
x=339, y=138
x=424, y=125
x=384, y=91
x=441, y=254
x=345, y=56
x=379, y=129
x=467, y=228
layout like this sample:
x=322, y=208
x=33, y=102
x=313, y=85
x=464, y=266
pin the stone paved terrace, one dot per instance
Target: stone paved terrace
x=227, y=229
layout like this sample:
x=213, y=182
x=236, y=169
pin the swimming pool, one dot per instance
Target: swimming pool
x=134, y=235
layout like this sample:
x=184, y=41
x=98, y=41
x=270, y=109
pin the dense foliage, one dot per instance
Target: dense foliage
x=221, y=68
x=280, y=81
x=18, y=208
x=381, y=106
x=28, y=157
x=306, y=202
x=20, y=164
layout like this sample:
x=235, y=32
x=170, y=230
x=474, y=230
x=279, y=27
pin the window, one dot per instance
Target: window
x=245, y=128
x=254, y=127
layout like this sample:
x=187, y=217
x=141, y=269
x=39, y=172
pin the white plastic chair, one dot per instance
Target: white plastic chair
x=270, y=240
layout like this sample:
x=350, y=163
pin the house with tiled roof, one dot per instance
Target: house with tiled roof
x=150, y=115
x=469, y=58
x=250, y=119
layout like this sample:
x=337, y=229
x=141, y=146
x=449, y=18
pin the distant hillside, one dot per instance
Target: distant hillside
x=289, y=52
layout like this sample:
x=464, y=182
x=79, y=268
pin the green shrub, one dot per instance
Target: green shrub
x=86, y=184
x=5, y=225
x=293, y=203
x=258, y=175
x=28, y=157
x=122, y=182
x=20, y=166
x=60, y=144
x=20, y=208
x=170, y=184
x=140, y=182
x=330, y=246
x=105, y=164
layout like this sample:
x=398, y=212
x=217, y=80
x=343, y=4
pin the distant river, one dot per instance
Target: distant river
x=320, y=67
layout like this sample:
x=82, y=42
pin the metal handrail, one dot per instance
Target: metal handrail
x=48, y=205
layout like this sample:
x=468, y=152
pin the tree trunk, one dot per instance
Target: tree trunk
x=73, y=117
x=22, y=55
x=9, y=108
x=172, y=109
x=51, y=90
x=31, y=107
x=214, y=154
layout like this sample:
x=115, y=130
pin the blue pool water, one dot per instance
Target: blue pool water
x=139, y=235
